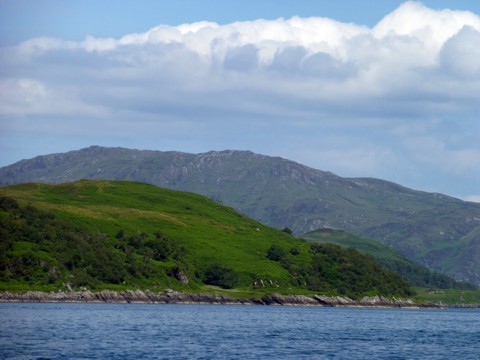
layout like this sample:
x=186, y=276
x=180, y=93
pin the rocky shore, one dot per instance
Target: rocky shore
x=173, y=297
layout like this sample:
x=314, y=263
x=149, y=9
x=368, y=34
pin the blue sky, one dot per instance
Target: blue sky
x=385, y=89
x=75, y=19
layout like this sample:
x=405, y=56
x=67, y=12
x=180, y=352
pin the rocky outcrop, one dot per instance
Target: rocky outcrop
x=129, y=296
x=300, y=300
x=173, y=297
x=382, y=301
x=334, y=300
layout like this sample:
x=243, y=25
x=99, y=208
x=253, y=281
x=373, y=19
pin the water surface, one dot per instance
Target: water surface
x=121, y=331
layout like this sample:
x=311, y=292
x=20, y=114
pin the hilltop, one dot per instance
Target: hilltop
x=121, y=235
x=435, y=230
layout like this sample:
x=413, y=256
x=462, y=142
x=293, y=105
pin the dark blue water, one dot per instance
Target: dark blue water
x=113, y=331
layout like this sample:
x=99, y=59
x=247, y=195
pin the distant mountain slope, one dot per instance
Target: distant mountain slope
x=124, y=234
x=414, y=273
x=435, y=230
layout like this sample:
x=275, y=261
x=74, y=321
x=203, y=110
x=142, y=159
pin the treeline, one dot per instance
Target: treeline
x=38, y=248
x=334, y=269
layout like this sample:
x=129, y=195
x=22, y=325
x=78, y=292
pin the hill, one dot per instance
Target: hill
x=437, y=231
x=118, y=234
x=412, y=272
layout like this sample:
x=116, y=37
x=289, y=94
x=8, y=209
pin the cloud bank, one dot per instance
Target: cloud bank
x=400, y=100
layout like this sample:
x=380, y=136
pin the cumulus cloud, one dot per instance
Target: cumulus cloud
x=392, y=88
x=460, y=55
x=316, y=58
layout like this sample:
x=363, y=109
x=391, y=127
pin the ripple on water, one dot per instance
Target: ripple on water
x=119, y=331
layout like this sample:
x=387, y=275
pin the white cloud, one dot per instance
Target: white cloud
x=318, y=58
x=388, y=92
x=26, y=96
x=460, y=55
x=430, y=27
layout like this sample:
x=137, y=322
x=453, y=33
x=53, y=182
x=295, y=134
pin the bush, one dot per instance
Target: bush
x=275, y=253
x=294, y=251
x=220, y=276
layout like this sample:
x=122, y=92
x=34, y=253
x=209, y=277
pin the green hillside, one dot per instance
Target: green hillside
x=414, y=273
x=434, y=230
x=119, y=235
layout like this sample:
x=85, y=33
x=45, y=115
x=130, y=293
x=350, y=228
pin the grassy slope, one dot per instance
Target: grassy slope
x=210, y=232
x=194, y=221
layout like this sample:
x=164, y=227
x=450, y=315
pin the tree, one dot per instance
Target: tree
x=275, y=253
x=219, y=275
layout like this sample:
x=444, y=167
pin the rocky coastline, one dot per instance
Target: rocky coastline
x=174, y=297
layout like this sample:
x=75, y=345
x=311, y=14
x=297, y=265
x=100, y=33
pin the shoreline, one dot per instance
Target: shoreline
x=173, y=297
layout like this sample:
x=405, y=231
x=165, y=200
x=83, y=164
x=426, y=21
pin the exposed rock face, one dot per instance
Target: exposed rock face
x=173, y=297
x=129, y=296
x=382, y=301
x=334, y=300
x=180, y=276
x=276, y=299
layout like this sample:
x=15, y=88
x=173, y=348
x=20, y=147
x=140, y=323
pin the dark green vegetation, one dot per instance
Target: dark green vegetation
x=413, y=273
x=118, y=235
x=437, y=231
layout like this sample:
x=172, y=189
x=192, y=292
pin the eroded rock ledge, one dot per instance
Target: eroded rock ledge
x=173, y=297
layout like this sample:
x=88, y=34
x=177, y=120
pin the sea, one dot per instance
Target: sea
x=138, y=331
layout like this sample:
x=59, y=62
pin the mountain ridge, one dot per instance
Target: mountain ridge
x=435, y=230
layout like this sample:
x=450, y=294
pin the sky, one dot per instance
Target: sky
x=385, y=89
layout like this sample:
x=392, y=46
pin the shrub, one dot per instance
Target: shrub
x=294, y=251
x=220, y=276
x=275, y=253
